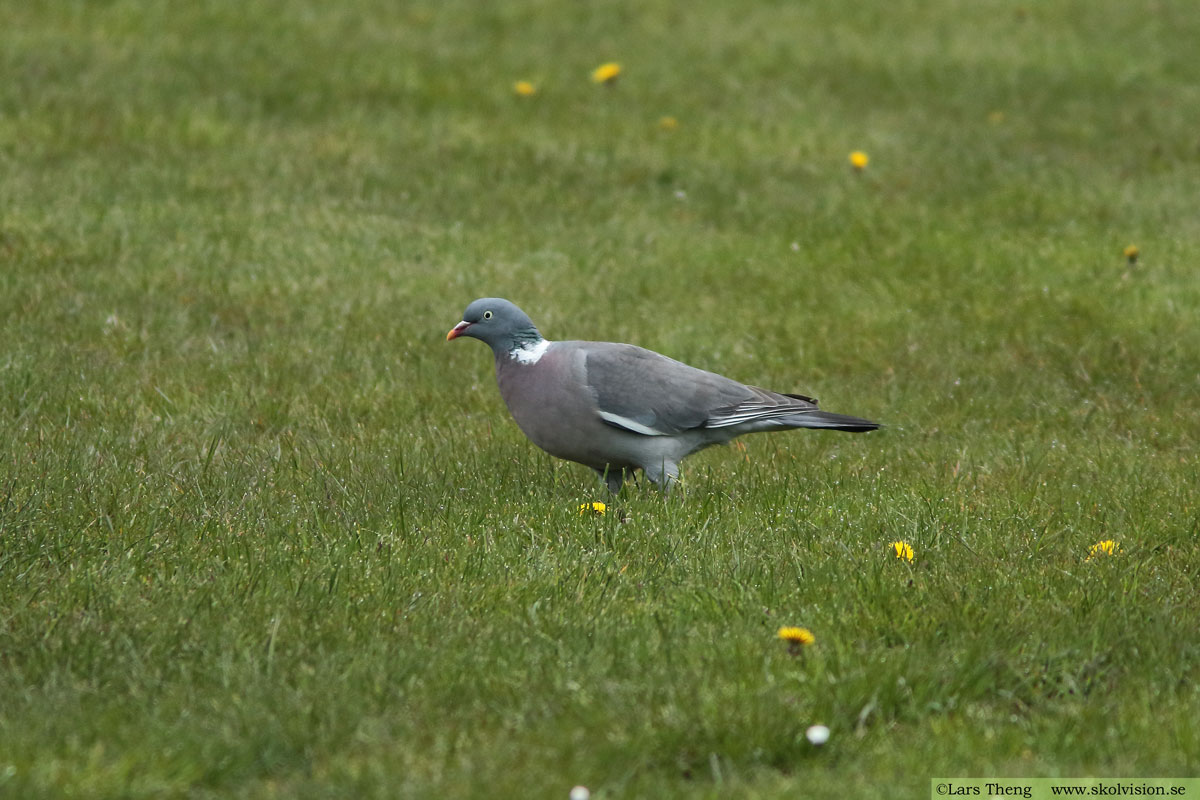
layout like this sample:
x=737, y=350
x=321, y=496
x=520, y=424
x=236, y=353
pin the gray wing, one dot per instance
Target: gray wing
x=643, y=392
x=647, y=393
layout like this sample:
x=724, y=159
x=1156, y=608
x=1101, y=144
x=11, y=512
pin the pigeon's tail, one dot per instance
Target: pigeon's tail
x=774, y=411
x=827, y=420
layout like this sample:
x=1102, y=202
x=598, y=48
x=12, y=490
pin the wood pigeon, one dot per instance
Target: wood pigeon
x=616, y=407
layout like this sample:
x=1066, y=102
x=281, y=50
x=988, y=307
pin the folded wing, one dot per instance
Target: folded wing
x=646, y=393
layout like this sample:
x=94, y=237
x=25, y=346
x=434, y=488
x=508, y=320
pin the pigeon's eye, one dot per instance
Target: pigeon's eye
x=487, y=315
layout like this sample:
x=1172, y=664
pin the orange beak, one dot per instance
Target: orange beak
x=457, y=330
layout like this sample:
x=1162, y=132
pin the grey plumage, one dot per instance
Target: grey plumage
x=616, y=407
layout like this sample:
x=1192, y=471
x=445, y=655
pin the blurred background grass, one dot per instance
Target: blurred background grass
x=263, y=533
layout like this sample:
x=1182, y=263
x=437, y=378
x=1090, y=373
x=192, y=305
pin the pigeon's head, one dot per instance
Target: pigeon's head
x=499, y=323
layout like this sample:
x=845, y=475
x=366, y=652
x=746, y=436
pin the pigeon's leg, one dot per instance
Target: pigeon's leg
x=614, y=477
x=665, y=474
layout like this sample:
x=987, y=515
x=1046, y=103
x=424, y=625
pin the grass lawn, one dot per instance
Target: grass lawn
x=263, y=533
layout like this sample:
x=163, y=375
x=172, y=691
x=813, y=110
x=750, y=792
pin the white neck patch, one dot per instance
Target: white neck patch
x=530, y=353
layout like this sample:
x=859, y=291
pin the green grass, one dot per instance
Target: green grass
x=264, y=534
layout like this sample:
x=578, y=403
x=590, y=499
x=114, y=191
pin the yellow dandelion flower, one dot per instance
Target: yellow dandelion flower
x=1131, y=253
x=668, y=123
x=1106, y=548
x=595, y=508
x=996, y=117
x=797, y=636
x=524, y=88
x=903, y=550
x=859, y=159
x=606, y=73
